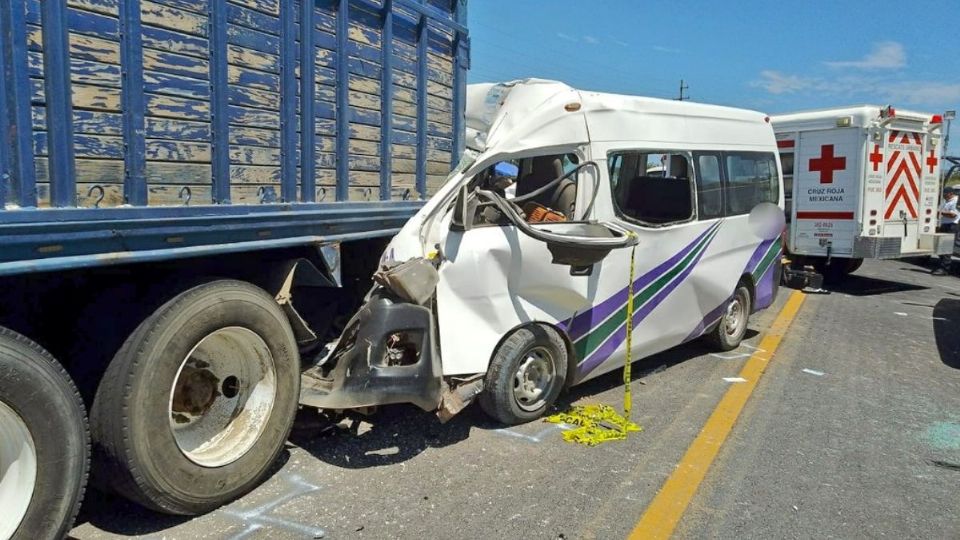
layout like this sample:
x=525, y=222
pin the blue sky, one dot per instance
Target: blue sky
x=764, y=55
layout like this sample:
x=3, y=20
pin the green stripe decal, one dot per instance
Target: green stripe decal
x=596, y=337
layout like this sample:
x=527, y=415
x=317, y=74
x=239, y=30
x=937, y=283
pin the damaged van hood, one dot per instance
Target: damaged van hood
x=517, y=116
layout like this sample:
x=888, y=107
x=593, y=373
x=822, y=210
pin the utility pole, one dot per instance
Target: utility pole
x=948, y=116
x=683, y=87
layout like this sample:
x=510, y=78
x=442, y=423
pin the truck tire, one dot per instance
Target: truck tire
x=729, y=331
x=527, y=372
x=195, y=407
x=44, y=445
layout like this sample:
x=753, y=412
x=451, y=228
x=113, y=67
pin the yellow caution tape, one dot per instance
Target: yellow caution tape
x=601, y=423
x=595, y=424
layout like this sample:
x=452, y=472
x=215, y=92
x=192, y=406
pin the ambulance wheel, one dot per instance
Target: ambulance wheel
x=44, y=446
x=732, y=326
x=837, y=270
x=528, y=370
x=196, y=406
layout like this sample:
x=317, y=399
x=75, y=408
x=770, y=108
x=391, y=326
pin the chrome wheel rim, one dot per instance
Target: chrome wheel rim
x=534, y=379
x=222, y=396
x=735, y=319
x=18, y=470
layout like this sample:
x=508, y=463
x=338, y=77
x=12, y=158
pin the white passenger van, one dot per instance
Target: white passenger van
x=515, y=297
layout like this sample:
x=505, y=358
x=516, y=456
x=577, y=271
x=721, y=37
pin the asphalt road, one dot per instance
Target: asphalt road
x=865, y=443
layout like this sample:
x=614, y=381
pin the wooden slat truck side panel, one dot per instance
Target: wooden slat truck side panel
x=177, y=60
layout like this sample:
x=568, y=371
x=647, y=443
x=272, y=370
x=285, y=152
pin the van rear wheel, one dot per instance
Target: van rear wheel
x=732, y=326
x=196, y=406
x=526, y=375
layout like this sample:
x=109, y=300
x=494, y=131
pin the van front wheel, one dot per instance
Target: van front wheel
x=729, y=332
x=526, y=375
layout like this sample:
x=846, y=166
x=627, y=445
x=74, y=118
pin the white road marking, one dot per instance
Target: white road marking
x=258, y=518
x=734, y=379
x=730, y=355
x=813, y=372
x=538, y=438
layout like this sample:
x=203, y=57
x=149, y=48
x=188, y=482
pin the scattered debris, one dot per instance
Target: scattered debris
x=900, y=313
x=813, y=372
x=734, y=379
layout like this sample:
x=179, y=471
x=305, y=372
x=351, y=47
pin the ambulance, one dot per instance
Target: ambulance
x=513, y=288
x=862, y=183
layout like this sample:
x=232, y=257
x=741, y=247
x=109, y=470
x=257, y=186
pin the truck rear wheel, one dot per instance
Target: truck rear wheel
x=197, y=404
x=44, y=446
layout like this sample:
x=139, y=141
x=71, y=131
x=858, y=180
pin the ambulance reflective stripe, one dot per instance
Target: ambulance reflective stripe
x=598, y=332
x=903, y=173
x=827, y=164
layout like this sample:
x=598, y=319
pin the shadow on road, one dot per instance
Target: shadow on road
x=116, y=515
x=392, y=435
x=946, y=329
x=855, y=285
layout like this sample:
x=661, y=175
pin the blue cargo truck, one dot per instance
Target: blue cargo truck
x=193, y=197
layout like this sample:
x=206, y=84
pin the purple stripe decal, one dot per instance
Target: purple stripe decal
x=758, y=255
x=581, y=324
x=765, y=287
x=707, y=321
x=604, y=351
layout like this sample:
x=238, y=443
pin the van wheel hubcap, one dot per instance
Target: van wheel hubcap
x=534, y=379
x=735, y=318
x=18, y=470
x=222, y=396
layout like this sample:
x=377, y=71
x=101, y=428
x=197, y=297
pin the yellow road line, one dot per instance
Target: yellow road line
x=664, y=513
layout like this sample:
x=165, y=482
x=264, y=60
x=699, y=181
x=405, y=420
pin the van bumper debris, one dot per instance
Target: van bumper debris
x=386, y=355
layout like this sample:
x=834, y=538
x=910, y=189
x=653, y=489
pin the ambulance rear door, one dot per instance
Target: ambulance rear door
x=907, y=198
x=827, y=174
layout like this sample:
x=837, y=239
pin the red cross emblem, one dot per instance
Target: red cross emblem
x=876, y=157
x=932, y=161
x=827, y=163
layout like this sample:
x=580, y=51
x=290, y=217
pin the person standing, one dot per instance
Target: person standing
x=949, y=218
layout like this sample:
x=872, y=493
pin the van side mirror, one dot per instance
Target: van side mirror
x=464, y=210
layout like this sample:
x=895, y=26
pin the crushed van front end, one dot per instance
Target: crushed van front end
x=386, y=355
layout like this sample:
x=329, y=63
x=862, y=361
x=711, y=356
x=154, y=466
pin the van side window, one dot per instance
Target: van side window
x=709, y=187
x=751, y=179
x=652, y=187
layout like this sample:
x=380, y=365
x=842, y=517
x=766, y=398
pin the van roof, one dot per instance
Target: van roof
x=529, y=113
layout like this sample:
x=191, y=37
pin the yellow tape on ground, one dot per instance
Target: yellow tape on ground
x=600, y=423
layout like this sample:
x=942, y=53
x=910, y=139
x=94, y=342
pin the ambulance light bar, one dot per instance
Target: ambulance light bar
x=888, y=112
x=936, y=119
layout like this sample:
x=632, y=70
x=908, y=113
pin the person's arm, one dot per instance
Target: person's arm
x=948, y=210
